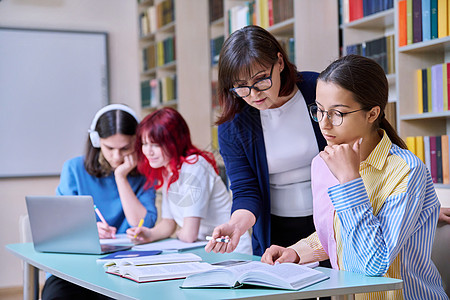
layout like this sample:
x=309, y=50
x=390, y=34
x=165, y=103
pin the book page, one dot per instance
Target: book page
x=172, y=244
x=165, y=271
x=155, y=259
x=296, y=276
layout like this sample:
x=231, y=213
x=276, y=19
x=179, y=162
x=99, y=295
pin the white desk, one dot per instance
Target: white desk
x=85, y=271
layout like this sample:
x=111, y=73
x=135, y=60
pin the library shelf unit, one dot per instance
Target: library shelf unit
x=188, y=63
x=371, y=27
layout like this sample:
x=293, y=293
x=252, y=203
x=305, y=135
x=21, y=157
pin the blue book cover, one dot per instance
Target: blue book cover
x=426, y=20
x=436, y=88
x=129, y=254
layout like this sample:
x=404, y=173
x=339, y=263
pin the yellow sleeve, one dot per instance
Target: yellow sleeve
x=310, y=249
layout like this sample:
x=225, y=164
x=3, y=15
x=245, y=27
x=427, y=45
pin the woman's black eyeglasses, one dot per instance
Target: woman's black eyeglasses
x=261, y=85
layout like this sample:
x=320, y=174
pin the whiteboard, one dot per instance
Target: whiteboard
x=51, y=85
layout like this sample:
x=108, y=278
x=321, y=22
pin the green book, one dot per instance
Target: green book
x=409, y=22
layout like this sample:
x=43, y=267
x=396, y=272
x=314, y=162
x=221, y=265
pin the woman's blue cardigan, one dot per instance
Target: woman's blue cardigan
x=241, y=142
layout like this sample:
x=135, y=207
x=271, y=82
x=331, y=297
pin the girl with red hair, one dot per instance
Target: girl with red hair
x=194, y=197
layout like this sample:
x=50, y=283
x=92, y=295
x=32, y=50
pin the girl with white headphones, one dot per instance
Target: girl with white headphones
x=108, y=173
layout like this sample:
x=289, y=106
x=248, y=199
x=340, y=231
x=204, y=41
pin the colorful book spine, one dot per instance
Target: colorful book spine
x=417, y=20
x=434, y=19
x=436, y=88
x=402, y=31
x=442, y=18
x=425, y=106
x=426, y=20
x=426, y=150
x=445, y=85
x=420, y=151
x=439, y=159
x=433, y=161
x=419, y=91
x=409, y=22
x=445, y=160
x=411, y=144
x=429, y=90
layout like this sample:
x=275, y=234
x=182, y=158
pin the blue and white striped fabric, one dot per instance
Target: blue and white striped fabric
x=387, y=221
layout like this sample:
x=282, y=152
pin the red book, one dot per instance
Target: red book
x=402, y=35
x=355, y=9
x=433, y=159
x=270, y=6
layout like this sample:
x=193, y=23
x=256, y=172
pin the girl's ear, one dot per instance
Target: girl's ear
x=373, y=114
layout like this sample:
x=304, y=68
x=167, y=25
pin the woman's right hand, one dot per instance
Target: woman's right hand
x=227, y=230
x=105, y=231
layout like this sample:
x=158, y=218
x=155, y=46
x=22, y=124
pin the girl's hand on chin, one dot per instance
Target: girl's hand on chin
x=343, y=160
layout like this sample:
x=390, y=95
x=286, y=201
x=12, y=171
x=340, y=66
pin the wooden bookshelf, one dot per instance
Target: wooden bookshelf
x=409, y=58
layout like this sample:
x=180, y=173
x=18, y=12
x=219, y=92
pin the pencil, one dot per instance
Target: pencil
x=99, y=214
x=141, y=222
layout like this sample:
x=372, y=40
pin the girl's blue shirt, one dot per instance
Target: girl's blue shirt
x=75, y=180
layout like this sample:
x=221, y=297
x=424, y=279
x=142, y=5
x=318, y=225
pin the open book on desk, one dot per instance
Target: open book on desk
x=287, y=276
x=157, y=267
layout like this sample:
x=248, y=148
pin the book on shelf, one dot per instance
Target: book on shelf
x=419, y=85
x=216, y=46
x=353, y=10
x=433, y=88
x=425, y=20
x=409, y=22
x=443, y=18
x=215, y=10
x=402, y=26
x=287, y=276
x=445, y=159
x=417, y=20
x=381, y=50
x=438, y=159
x=434, y=152
x=434, y=19
x=420, y=151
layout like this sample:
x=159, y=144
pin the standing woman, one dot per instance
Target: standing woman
x=267, y=141
x=108, y=173
x=194, y=197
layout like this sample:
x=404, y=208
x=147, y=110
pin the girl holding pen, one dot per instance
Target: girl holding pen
x=194, y=197
x=108, y=173
x=375, y=207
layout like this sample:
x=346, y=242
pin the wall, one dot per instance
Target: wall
x=118, y=18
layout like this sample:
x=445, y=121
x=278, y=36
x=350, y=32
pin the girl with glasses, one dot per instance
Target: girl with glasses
x=375, y=207
x=267, y=141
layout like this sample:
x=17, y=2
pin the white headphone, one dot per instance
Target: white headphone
x=93, y=134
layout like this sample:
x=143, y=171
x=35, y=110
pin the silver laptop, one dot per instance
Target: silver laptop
x=66, y=224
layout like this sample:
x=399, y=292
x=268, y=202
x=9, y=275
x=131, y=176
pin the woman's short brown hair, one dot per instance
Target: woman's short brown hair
x=243, y=49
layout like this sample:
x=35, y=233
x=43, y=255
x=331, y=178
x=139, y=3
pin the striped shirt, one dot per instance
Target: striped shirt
x=385, y=223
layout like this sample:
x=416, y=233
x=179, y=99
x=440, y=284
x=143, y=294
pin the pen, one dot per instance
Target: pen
x=139, y=225
x=99, y=214
x=219, y=240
